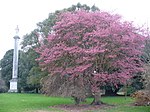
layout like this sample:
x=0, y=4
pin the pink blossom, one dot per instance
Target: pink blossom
x=85, y=41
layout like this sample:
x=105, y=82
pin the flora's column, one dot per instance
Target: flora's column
x=13, y=81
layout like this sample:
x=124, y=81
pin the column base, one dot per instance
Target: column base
x=12, y=90
x=13, y=86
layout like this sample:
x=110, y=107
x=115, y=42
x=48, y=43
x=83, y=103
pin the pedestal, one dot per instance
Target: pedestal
x=13, y=86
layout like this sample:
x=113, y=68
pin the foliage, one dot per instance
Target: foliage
x=133, y=85
x=3, y=87
x=45, y=27
x=142, y=97
x=25, y=64
x=31, y=41
x=111, y=90
x=34, y=78
x=136, y=84
x=146, y=58
x=6, y=66
x=146, y=77
x=146, y=51
x=95, y=46
x=27, y=71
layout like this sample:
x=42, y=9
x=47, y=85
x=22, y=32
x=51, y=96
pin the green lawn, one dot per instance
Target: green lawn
x=33, y=102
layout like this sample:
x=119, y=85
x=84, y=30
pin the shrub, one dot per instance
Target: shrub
x=3, y=87
x=142, y=97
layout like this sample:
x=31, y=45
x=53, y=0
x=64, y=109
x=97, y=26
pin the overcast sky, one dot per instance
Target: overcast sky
x=26, y=13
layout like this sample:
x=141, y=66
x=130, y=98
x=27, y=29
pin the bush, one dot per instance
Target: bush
x=3, y=87
x=3, y=90
x=142, y=97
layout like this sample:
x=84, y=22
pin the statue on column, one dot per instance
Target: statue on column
x=14, y=80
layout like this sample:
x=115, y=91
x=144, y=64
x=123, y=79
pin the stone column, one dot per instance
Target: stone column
x=13, y=81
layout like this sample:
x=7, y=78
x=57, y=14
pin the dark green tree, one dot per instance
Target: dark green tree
x=34, y=78
x=3, y=87
x=6, y=66
x=27, y=61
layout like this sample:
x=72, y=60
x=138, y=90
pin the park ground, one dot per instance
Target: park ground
x=14, y=102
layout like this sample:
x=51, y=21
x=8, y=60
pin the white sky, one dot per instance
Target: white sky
x=26, y=13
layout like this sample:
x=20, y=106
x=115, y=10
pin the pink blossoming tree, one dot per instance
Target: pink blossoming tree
x=93, y=44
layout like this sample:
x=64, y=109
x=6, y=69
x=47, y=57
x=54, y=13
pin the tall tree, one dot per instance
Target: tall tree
x=93, y=47
x=6, y=66
x=44, y=28
x=27, y=61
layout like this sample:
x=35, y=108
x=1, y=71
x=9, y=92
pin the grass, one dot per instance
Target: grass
x=11, y=102
x=26, y=102
x=122, y=104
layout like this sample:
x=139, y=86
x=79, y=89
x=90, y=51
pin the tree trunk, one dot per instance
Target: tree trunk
x=37, y=90
x=96, y=100
x=77, y=100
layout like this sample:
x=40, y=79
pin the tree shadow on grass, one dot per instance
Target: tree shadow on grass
x=81, y=107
